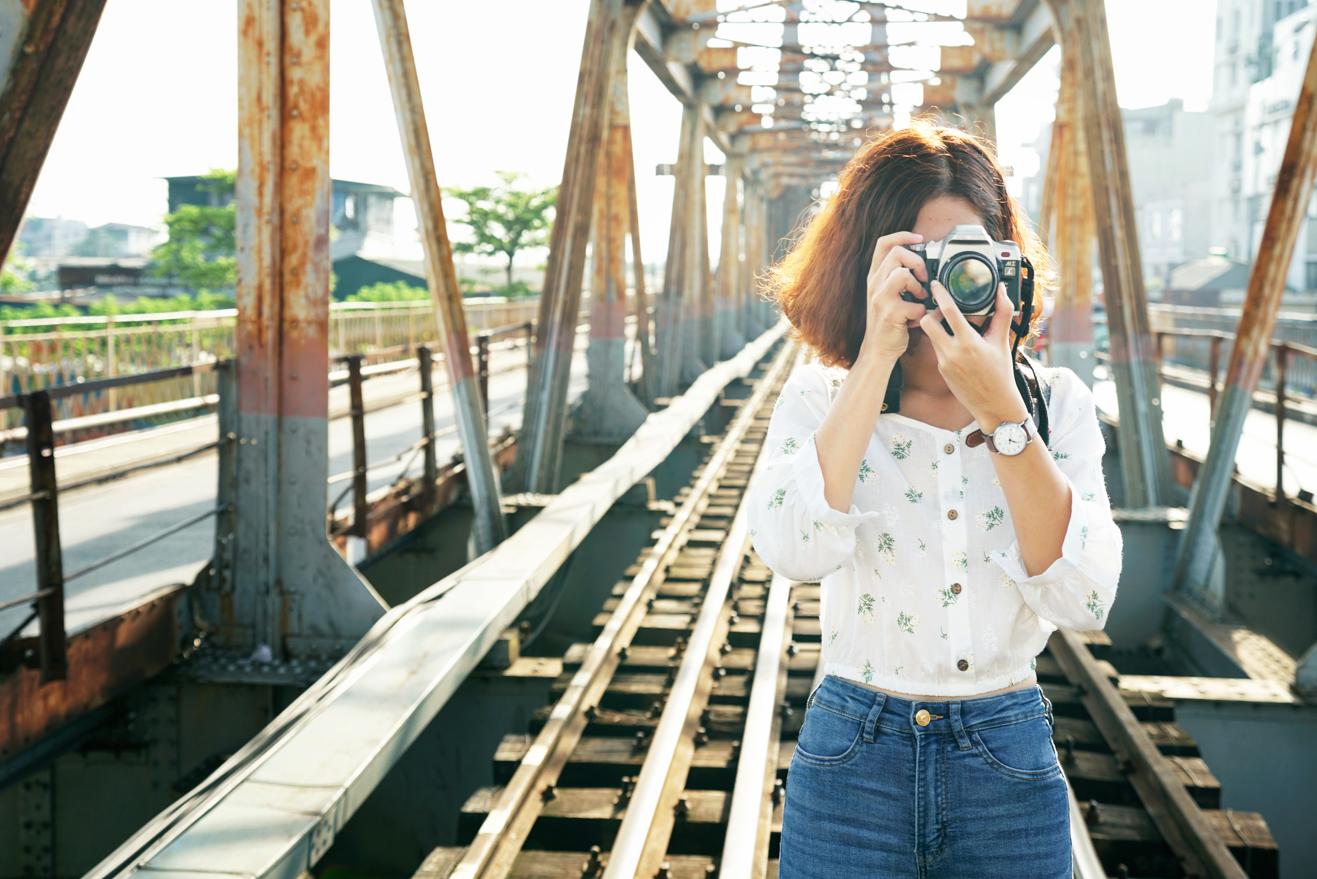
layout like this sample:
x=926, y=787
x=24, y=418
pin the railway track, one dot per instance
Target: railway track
x=666, y=748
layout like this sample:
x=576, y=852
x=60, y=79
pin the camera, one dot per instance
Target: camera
x=969, y=264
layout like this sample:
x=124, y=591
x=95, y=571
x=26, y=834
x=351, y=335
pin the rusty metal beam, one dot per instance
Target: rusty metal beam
x=539, y=452
x=440, y=275
x=648, y=375
x=47, y=42
x=670, y=327
x=1199, y=554
x=730, y=336
x=682, y=76
x=290, y=589
x=608, y=412
x=1145, y=463
x=1068, y=200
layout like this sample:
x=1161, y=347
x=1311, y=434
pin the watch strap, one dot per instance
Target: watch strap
x=977, y=437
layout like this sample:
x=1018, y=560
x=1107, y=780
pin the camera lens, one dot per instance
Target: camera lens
x=971, y=282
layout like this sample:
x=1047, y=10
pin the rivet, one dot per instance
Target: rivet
x=294, y=112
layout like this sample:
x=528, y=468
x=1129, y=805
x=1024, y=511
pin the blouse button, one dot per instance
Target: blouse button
x=951, y=514
x=962, y=665
x=948, y=448
x=955, y=588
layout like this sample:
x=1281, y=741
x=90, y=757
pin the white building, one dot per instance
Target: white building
x=1261, y=53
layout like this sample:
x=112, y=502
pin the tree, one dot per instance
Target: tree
x=201, y=249
x=505, y=219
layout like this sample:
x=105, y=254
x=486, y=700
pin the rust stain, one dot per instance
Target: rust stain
x=104, y=661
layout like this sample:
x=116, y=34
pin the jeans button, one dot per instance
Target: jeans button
x=922, y=717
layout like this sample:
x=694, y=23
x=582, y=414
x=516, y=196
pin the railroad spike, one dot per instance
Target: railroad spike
x=592, y=867
x=726, y=648
x=1092, y=816
x=779, y=791
x=624, y=653
x=701, y=736
x=591, y=712
x=639, y=741
x=550, y=792
x=1070, y=749
x=785, y=710
x=664, y=871
x=719, y=673
x=683, y=807
x=1122, y=872
x=655, y=708
x=792, y=649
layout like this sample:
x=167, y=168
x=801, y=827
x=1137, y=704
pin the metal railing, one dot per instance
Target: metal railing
x=1202, y=349
x=48, y=651
x=54, y=352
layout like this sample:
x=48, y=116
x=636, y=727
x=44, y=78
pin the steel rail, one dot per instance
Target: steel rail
x=745, y=848
x=1177, y=817
x=633, y=837
x=23, y=599
x=499, y=839
x=442, y=632
x=502, y=832
x=1084, y=860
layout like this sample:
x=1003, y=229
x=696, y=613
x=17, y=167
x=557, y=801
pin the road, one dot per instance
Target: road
x=99, y=520
x=1186, y=417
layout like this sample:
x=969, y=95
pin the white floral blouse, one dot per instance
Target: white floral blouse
x=923, y=590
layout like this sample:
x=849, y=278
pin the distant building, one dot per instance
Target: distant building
x=51, y=236
x=1261, y=53
x=1168, y=176
x=1169, y=171
x=1215, y=282
x=361, y=212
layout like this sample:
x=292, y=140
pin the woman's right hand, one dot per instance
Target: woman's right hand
x=893, y=271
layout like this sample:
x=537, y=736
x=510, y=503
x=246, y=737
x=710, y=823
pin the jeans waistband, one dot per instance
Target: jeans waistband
x=946, y=716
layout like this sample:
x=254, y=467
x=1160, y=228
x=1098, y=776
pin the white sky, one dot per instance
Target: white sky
x=157, y=97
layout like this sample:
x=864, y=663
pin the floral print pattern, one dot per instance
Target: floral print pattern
x=900, y=447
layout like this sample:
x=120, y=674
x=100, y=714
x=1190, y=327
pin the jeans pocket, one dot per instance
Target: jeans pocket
x=828, y=737
x=1023, y=749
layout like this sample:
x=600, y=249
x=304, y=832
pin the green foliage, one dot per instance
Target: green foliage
x=201, y=247
x=504, y=219
x=40, y=311
x=14, y=277
x=397, y=291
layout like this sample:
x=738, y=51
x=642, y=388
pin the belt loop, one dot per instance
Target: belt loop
x=871, y=722
x=962, y=738
x=1048, y=706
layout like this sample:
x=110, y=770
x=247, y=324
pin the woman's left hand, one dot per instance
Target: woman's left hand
x=977, y=368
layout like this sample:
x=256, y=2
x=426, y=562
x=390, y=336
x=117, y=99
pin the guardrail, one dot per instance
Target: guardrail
x=1283, y=355
x=48, y=650
x=52, y=352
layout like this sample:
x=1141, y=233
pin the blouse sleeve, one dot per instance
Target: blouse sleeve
x=1077, y=590
x=792, y=527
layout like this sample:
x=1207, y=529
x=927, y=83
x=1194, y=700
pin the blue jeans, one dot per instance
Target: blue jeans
x=977, y=793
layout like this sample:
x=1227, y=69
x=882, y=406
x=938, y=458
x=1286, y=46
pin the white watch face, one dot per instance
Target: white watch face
x=1010, y=439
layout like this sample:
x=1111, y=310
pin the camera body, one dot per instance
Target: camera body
x=969, y=264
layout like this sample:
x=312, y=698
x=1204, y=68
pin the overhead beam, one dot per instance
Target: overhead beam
x=654, y=27
x=47, y=41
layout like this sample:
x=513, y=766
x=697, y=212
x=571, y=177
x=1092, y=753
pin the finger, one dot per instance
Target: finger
x=900, y=256
x=1000, y=328
x=887, y=242
x=931, y=324
x=899, y=280
x=911, y=311
x=949, y=309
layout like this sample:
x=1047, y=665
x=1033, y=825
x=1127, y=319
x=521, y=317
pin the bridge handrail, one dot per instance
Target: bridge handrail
x=17, y=401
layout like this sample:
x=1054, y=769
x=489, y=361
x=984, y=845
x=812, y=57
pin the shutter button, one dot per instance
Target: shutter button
x=963, y=665
x=922, y=717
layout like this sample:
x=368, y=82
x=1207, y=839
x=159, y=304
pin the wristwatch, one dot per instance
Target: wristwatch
x=1011, y=437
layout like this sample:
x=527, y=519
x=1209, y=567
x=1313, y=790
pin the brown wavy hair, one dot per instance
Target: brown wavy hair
x=820, y=284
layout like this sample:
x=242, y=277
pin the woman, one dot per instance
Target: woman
x=926, y=751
